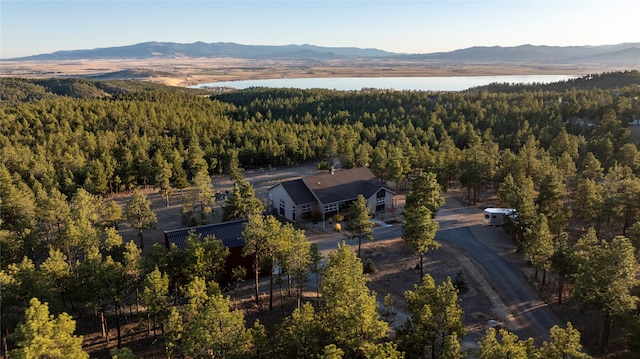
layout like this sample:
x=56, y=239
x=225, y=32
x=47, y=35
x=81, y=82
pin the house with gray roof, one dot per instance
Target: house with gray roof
x=323, y=196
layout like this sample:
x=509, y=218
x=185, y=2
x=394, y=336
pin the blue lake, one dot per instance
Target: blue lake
x=452, y=83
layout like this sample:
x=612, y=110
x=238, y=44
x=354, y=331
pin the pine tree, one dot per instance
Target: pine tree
x=300, y=334
x=460, y=282
x=419, y=232
x=565, y=343
x=504, y=344
x=139, y=214
x=349, y=311
x=601, y=286
x=163, y=176
x=425, y=191
x=562, y=262
x=204, y=198
x=359, y=224
x=111, y=214
x=435, y=316
x=242, y=202
x=259, y=235
x=41, y=335
x=204, y=257
x=57, y=274
x=216, y=331
x=261, y=346
x=155, y=289
x=538, y=246
x=294, y=257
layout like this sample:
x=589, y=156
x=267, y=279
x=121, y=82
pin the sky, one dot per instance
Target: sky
x=419, y=26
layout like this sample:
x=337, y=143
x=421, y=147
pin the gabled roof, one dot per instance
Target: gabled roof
x=230, y=233
x=344, y=185
x=299, y=192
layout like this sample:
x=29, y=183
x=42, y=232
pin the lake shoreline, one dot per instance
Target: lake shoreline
x=435, y=83
x=184, y=72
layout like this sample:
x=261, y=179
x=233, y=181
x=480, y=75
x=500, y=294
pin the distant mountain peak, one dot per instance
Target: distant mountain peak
x=619, y=54
x=155, y=49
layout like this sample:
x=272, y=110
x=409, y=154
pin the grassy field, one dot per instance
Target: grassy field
x=190, y=71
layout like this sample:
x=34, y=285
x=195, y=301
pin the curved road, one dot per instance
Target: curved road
x=462, y=233
x=482, y=251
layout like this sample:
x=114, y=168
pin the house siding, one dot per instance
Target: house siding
x=279, y=195
x=373, y=203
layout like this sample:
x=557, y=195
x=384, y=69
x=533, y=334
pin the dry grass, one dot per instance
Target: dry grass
x=193, y=71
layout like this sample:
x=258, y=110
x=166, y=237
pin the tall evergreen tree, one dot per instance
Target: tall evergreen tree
x=203, y=199
x=300, y=335
x=425, y=191
x=163, y=176
x=419, y=232
x=538, y=246
x=349, y=311
x=565, y=343
x=504, y=344
x=604, y=287
x=562, y=262
x=242, y=202
x=154, y=296
x=435, y=317
x=41, y=335
x=359, y=222
x=139, y=214
x=204, y=257
x=217, y=330
x=260, y=235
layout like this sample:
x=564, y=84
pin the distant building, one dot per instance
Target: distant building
x=230, y=233
x=323, y=196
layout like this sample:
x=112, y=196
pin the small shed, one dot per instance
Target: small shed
x=496, y=216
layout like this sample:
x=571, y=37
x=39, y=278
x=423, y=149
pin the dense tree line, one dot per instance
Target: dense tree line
x=604, y=81
x=562, y=158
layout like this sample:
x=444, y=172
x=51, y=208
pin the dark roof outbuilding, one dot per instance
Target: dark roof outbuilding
x=230, y=233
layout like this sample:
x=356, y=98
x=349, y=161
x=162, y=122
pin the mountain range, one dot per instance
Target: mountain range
x=620, y=54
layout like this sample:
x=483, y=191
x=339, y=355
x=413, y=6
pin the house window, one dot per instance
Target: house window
x=380, y=201
x=333, y=207
x=330, y=210
x=282, y=207
x=306, y=208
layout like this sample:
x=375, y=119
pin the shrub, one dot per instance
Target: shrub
x=324, y=166
x=460, y=282
x=369, y=267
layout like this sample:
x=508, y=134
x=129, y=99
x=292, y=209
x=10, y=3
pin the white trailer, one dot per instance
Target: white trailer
x=496, y=216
